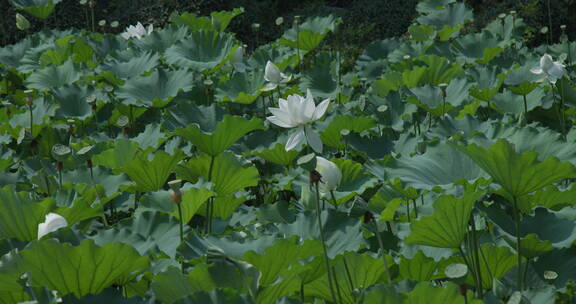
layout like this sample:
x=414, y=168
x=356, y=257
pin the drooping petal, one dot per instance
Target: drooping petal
x=536, y=71
x=52, y=222
x=295, y=139
x=278, y=122
x=313, y=140
x=321, y=109
x=283, y=116
x=269, y=87
x=272, y=73
x=150, y=29
x=557, y=71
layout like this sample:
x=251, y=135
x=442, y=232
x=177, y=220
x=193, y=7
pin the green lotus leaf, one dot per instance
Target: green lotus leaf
x=277, y=154
x=332, y=134
x=517, y=174
x=72, y=101
x=321, y=79
x=109, y=295
x=20, y=215
x=371, y=63
x=228, y=173
x=193, y=198
x=419, y=268
x=354, y=180
x=54, y=76
x=425, y=292
x=221, y=19
x=157, y=89
x=73, y=47
x=453, y=15
x=342, y=232
x=225, y=205
x=437, y=70
x=42, y=110
x=309, y=34
x=218, y=21
x=132, y=67
x=566, y=90
x=122, y=153
x=83, y=207
x=550, y=197
x=151, y=175
x=495, y=264
x=431, y=6
x=561, y=261
x=83, y=269
x=280, y=257
x=446, y=227
x=227, y=132
x=160, y=40
x=201, y=51
x=391, y=81
x=172, y=285
x=366, y=272
x=243, y=88
x=441, y=166
x=148, y=231
x=184, y=114
x=474, y=47
x=38, y=8
x=513, y=103
x=152, y=136
x=99, y=176
x=382, y=293
x=282, y=56
x=397, y=110
x=512, y=29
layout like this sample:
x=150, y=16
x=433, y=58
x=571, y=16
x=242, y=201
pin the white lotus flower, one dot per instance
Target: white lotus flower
x=237, y=60
x=274, y=77
x=137, y=31
x=553, y=70
x=299, y=112
x=331, y=175
x=52, y=222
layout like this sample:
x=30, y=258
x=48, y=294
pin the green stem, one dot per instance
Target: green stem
x=181, y=232
x=525, y=108
x=337, y=285
x=348, y=275
x=333, y=198
x=60, y=178
x=518, y=244
x=468, y=263
x=560, y=111
x=31, y=121
x=408, y=210
x=549, y=24
x=476, y=256
x=381, y=244
x=210, y=205
x=415, y=209
x=323, y=241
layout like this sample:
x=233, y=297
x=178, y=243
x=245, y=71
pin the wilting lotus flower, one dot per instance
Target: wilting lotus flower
x=299, y=112
x=274, y=77
x=553, y=70
x=237, y=60
x=137, y=31
x=52, y=222
x=331, y=175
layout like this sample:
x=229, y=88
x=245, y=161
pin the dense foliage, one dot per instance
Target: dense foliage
x=174, y=165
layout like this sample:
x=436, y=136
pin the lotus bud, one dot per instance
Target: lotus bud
x=175, y=193
x=279, y=21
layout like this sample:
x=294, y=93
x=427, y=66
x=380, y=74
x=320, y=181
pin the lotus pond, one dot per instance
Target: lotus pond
x=176, y=165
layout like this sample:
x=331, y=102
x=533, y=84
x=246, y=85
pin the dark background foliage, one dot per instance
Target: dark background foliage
x=363, y=20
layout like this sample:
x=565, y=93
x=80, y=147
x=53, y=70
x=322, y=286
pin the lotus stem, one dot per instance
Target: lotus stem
x=381, y=244
x=323, y=241
x=210, y=205
x=549, y=23
x=181, y=224
x=476, y=256
x=518, y=244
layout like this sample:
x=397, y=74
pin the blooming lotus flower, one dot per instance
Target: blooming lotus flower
x=331, y=175
x=237, y=60
x=553, y=70
x=137, y=31
x=52, y=222
x=274, y=77
x=299, y=112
